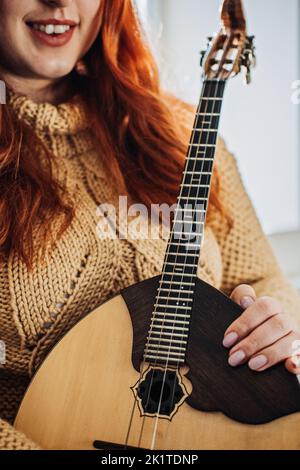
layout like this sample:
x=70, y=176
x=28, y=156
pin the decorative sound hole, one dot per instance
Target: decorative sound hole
x=160, y=392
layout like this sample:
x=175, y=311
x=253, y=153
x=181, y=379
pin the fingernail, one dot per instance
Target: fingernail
x=258, y=362
x=230, y=339
x=247, y=301
x=236, y=358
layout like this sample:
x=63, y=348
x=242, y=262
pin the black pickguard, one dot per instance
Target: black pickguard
x=241, y=394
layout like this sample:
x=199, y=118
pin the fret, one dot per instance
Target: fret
x=193, y=198
x=164, y=336
x=164, y=340
x=170, y=265
x=173, y=354
x=188, y=209
x=174, y=349
x=168, y=314
x=158, y=358
x=205, y=129
x=183, y=265
x=184, y=245
x=198, y=173
x=208, y=114
x=185, y=234
x=173, y=275
x=175, y=282
x=174, y=338
x=201, y=159
x=187, y=185
x=172, y=302
x=175, y=328
x=170, y=359
x=175, y=298
x=171, y=260
x=162, y=346
x=165, y=320
x=188, y=241
x=168, y=302
x=177, y=290
x=186, y=307
x=188, y=218
x=203, y=145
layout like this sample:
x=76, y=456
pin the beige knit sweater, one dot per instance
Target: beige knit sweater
x=82, y=271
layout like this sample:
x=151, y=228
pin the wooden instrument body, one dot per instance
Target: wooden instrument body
x=83, y=392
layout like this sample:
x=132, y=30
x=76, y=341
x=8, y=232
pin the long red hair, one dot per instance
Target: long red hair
x=129, y=113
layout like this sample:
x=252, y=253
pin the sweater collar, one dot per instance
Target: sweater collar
x=63, y=119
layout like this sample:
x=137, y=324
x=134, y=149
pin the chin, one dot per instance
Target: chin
x=54, y=71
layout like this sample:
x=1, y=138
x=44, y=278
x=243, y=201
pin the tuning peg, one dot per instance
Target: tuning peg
x=202, y=56
x=204, y=52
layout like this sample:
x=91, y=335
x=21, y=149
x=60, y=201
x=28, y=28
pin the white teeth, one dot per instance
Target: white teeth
x=51, y=28
x=61, y=28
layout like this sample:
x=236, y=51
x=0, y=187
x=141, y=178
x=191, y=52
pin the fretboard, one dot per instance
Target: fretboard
x=170, y=324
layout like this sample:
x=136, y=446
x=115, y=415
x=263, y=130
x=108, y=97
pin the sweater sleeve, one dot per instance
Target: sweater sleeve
x=12, y=389
x=11, y=439
x=247, y=256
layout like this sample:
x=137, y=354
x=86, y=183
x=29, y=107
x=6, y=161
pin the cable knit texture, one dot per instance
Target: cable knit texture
x=84, y=269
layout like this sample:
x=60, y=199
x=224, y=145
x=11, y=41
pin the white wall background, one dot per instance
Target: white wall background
x=259, y=123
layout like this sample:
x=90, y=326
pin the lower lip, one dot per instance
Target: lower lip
x=53, y=40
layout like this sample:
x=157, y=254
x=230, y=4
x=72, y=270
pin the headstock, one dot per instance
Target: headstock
x=231, y=49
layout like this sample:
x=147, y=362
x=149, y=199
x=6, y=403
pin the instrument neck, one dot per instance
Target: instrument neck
x=173, y=307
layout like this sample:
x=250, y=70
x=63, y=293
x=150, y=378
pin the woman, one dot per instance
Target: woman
x=86, y=122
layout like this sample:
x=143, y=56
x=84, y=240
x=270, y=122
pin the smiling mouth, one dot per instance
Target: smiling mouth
x=52, y=26
x=53, y=32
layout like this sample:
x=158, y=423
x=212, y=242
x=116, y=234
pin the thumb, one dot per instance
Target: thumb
x=244, y=295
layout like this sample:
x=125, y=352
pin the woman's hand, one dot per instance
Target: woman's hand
x=263, y=335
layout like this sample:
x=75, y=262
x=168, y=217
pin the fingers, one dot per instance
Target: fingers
x=268, y=333
x=263, y=335
x=259, y=312
x=268, y=357
x=244, y=296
